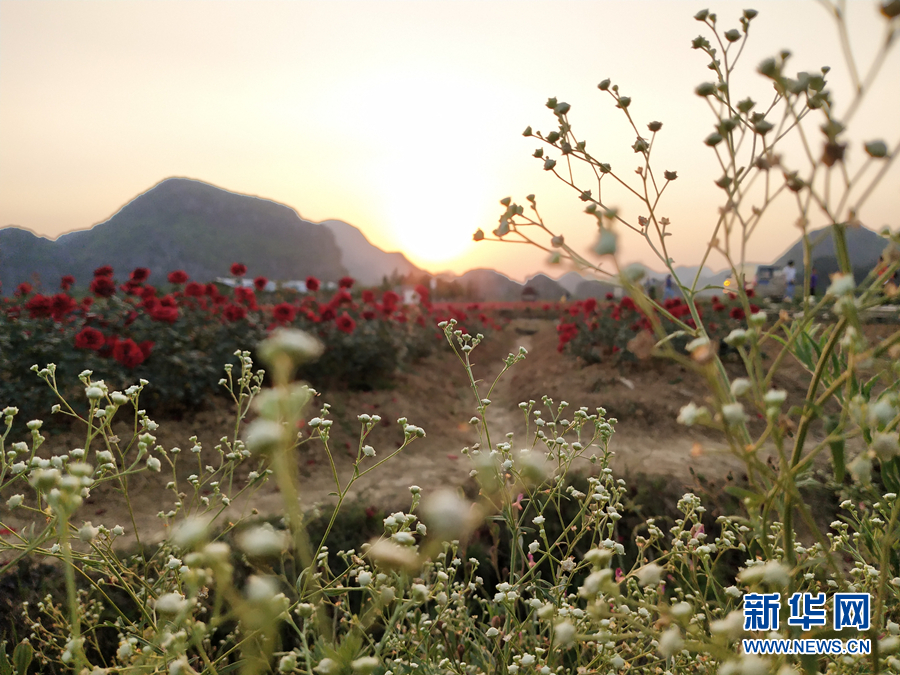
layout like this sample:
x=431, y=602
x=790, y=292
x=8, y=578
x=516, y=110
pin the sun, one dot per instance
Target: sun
x=431, y=208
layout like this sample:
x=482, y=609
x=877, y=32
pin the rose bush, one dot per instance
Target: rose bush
x=179, y=336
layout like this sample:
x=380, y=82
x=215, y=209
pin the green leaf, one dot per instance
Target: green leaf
x=837, y=448
x=743, y=494
x=810, y=663
x=22, y=655
x=5, y=666
x=890, y=474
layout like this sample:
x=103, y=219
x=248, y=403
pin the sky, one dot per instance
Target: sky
x=404, y=119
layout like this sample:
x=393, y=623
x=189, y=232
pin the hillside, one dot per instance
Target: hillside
x=864, y=245
x=179, y=224
x=365, y=262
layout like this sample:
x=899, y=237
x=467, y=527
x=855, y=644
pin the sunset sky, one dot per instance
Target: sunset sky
x=402, y=118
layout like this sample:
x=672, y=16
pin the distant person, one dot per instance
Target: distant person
x=669, y=291
x=790, y=277
x=813, y=280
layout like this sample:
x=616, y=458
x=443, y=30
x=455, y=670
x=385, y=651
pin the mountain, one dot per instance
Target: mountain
x=365, y=262
x=488, y=285
x=179, y=224
x=545, y=288
x=864, y=246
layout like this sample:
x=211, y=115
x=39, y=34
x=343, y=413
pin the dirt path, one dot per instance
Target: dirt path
x=435, y=395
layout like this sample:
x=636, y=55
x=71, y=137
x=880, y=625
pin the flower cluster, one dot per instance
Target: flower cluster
x=181, y=332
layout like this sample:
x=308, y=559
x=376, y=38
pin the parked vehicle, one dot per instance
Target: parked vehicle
x=769, y=282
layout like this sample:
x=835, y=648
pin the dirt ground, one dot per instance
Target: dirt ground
x=435, y=394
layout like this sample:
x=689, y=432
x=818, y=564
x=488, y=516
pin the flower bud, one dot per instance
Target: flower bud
x=876, y=149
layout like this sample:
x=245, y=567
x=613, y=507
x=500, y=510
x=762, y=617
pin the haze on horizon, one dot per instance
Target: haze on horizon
x=402, y=118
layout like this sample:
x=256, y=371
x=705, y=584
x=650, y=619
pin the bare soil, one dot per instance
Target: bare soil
x=644, y=397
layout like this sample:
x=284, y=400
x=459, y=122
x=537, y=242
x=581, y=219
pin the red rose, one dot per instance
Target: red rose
x=737, y=313
x=38, y=306
x=146, y=347
x=260, y=283
x=23, y=289
x=60, y=305
x=312, y=284
x=346, y=282
x=368, y=297
x=590, y=305
x=211, y=290
x=67, y=282
x=178, y=277
x=238, y=270
x=140, y=274
x=105, y=271
x=194, y=290
x=368, y=315
x=327, y=314
x=390, y=300
x=345, y=324
x=164, y=313
x=284, y=312
x=246, y=296
x=234, y=312
x=103, y=287
x=128, y=353
x=89, y=338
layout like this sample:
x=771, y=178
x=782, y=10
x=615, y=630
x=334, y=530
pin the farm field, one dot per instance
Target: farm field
x=434, y=393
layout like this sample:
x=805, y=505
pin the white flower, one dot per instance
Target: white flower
x=691, y=414
x=649, y=575
x=527, y=659
x=732, y=625
x=733, y=413
x=364, y=665
x=885, y=446
x=14, y=501
x=736, y=338
x=774, y=398
x=262, y=541
x=153, y=464
x=447, y=514
x=670, y=642
x=564, y=633
x=118, y=530
x=364, y=578
x=841, y=284
x=260, y=589
x=740, y=387
x=772, y=572
x=87, y=533
x=171, y=603
x=538, y=520
x=327, y=667
x=492, y=632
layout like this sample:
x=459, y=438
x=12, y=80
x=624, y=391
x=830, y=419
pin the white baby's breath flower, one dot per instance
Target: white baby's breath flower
x=733, y=413
x=171, y=603
x=772, y=573
x=740, y=387
x=670, y=642
x=564, y=633
x=14, y=501
x=262, y=541
x=649, y=575
x=327, y=667
x=88, y=532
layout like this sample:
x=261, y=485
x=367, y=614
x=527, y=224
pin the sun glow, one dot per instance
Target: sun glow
x=421, y=132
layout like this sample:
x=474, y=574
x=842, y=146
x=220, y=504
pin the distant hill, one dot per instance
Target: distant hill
x=864, y=245
x=546, y=288
x=178, y=224
x=365, y=262
x=484, y=285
